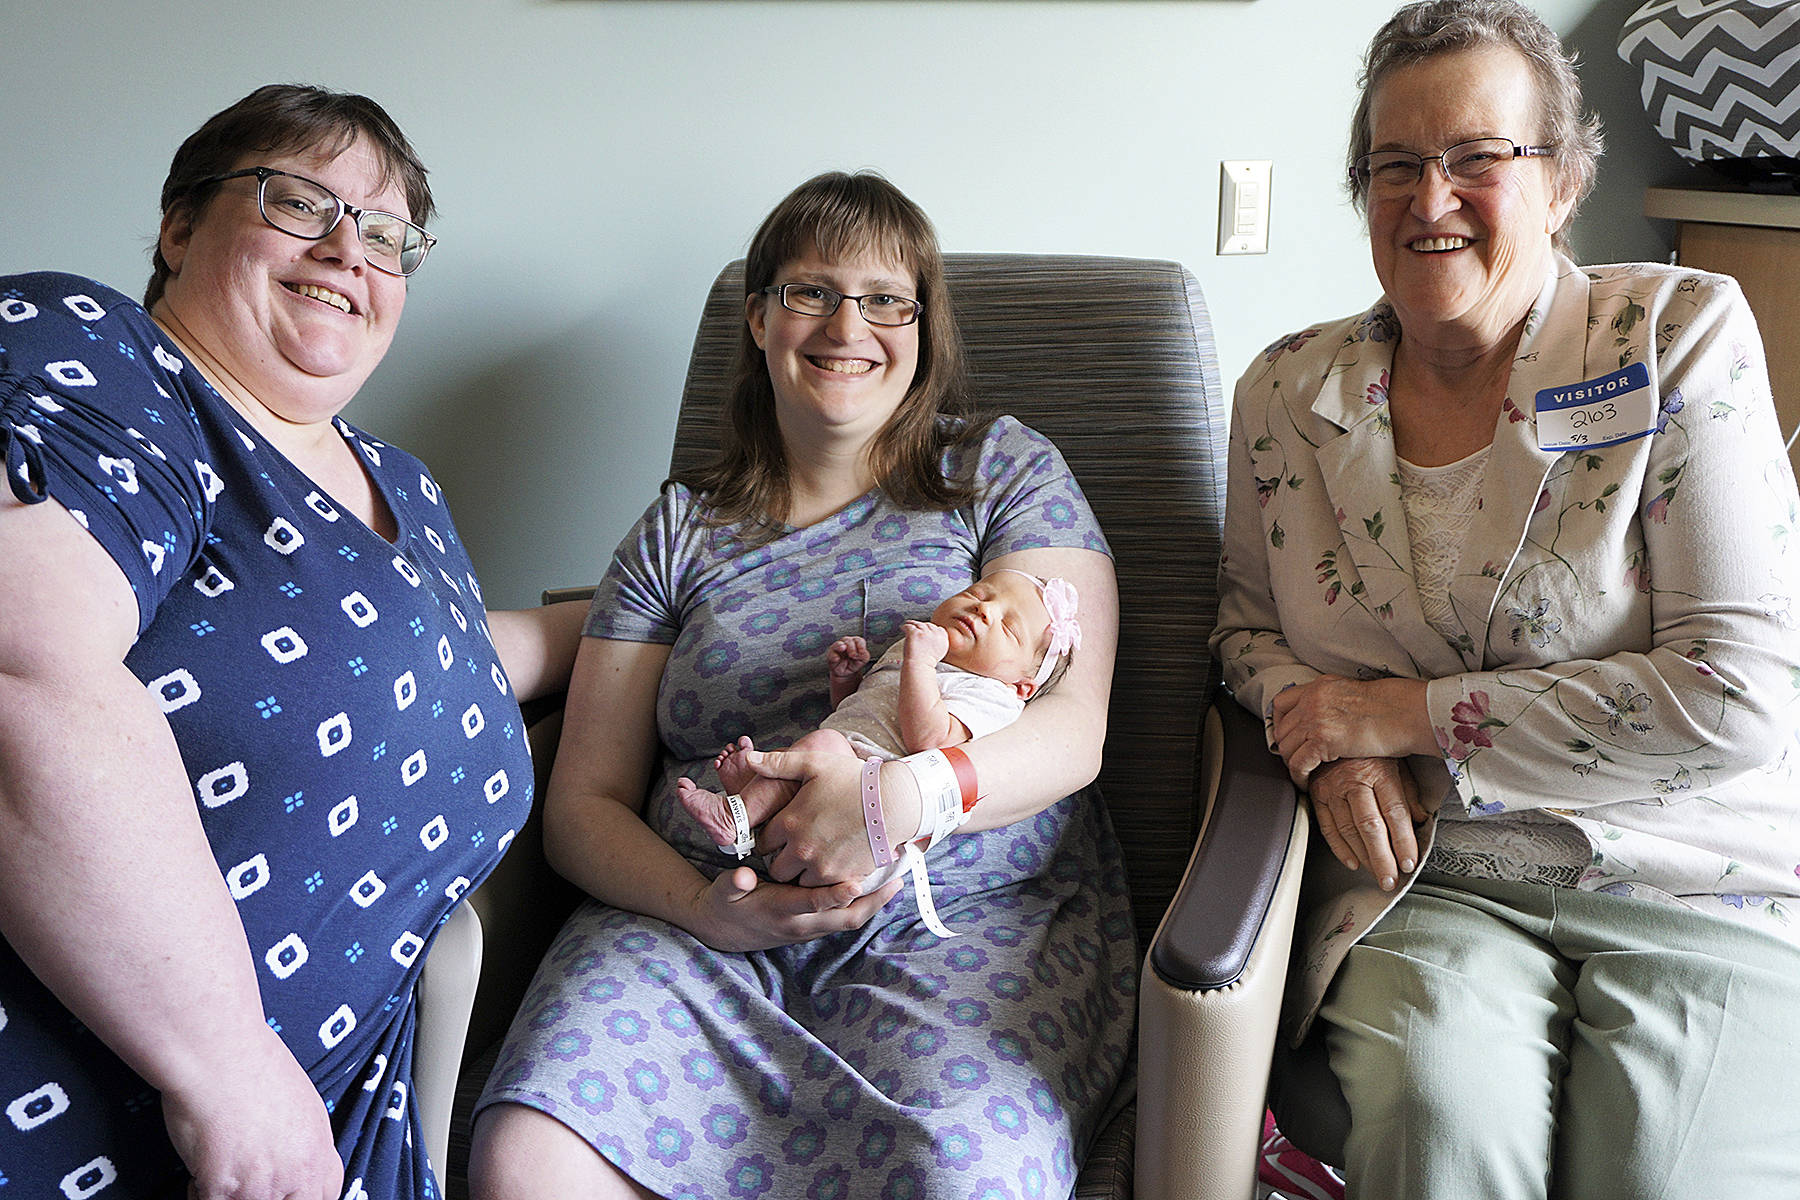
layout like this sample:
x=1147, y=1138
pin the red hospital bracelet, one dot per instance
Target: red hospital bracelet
x=873, y=818
x=965, y=775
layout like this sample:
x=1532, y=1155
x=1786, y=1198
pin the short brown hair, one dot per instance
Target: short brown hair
x=842, y=215
x=1433, y=27
x=286, y=118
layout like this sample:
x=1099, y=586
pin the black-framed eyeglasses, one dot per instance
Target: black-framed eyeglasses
x=1480, y=162
x=304, y=208
x=816, y=300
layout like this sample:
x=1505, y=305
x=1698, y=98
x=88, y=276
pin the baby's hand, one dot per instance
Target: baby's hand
x=926, y=641
x=847, y=657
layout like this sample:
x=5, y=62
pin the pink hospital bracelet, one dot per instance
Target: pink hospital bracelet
x=873, y=818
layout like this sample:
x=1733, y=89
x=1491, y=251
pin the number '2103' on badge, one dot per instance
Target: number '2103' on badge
x=1596, y=412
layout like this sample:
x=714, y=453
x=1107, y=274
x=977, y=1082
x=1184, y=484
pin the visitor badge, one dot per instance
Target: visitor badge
x=1597, y=412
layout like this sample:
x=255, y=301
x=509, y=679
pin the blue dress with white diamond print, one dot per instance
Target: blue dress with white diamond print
x=880, y=1063
x=354, y=748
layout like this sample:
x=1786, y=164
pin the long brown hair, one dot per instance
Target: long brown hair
x=286, y=118
x=843, y=216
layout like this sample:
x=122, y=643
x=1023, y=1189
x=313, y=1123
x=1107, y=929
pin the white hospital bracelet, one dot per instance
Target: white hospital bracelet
x=745, y=840
x=940, y=794
x=914, y=858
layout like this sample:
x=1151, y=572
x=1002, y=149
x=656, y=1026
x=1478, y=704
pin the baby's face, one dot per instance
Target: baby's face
x=998, y=627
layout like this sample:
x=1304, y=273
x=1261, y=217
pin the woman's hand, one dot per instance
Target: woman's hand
x=1366, y=809
x=819, y=837
x=254, y=1129
x=1332, y=717
x=737, y=911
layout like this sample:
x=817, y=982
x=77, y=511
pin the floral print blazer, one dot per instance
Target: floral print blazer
x=1631, y=662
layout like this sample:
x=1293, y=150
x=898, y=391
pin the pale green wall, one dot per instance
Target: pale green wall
x=590, y=154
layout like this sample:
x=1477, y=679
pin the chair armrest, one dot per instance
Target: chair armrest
x=563, y=594
x=446, y=997
x=1210, y=994
x=1229, y=891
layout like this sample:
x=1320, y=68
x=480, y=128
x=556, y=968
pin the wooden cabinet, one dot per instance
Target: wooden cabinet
x=1756, y=238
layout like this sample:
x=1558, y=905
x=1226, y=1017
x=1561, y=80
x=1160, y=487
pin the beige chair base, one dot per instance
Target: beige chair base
x=446, y=992
x=1211, y=987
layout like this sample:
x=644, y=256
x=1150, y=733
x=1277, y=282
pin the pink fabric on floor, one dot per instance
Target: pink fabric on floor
x=1290, y=1172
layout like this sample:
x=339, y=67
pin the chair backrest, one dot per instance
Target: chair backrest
x=1113, y=360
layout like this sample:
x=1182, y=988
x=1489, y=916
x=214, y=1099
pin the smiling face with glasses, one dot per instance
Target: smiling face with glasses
x=307, y=209
x=837, y=366
x=280, y=283
x=1460, y=218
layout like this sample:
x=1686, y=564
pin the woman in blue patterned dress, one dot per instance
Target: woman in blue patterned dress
x=699, y=1030
x=257, y=732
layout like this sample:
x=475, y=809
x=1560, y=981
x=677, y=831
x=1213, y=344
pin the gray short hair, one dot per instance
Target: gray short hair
x=1432, y=27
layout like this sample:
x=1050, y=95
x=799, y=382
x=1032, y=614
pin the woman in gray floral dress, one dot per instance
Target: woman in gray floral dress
x=1513, y=553
x=699, y=1030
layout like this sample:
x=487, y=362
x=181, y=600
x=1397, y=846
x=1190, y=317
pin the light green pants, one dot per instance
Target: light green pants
x=1504, y=1040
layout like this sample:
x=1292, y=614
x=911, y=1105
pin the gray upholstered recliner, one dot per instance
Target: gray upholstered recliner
x=1114, y=360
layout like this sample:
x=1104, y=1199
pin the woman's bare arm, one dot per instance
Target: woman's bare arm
x=108, y=889
x=1054, y=747
x=537, y=645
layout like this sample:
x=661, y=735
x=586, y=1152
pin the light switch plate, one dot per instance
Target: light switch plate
x=1244, y=206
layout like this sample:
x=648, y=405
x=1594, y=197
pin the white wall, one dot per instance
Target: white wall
x=596, y=162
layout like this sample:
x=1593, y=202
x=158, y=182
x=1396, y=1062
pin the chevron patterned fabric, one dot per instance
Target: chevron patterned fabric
x=1721, y=78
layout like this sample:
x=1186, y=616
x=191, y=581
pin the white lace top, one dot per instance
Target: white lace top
x=1528, y=846
x=1440, y=503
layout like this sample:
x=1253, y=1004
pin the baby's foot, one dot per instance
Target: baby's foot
x=712, y=812
x=743, y=743
x=731, y=768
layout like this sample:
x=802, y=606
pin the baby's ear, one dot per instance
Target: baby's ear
x=1025, y=688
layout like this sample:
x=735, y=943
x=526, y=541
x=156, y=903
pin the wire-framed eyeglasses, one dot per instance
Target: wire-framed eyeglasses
x=304, y=208
x=816, y=300
x=1481, y=162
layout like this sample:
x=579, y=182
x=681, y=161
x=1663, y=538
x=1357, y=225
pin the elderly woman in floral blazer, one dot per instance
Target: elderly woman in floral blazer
x=1511, y=574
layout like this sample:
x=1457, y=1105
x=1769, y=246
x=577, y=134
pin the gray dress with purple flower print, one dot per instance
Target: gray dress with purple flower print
x=882, y=1063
